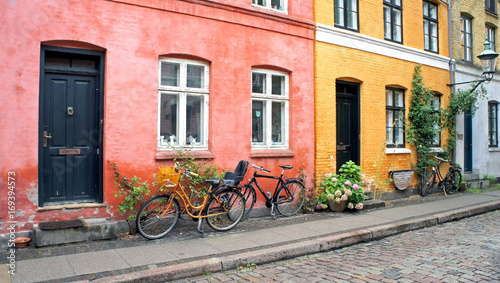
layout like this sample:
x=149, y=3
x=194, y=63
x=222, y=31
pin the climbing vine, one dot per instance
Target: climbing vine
x=459, y=102
x=424, y=122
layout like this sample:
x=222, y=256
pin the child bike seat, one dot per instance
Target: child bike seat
x=233, y=178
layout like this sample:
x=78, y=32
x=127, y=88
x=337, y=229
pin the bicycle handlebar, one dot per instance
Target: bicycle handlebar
x=187, y=172
x=261, y=168
x=440, y=159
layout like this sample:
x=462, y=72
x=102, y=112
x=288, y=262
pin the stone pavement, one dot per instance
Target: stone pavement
x=183, y=253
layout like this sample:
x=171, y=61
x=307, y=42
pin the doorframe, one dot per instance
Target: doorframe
x=100, y=114
x=356, y=116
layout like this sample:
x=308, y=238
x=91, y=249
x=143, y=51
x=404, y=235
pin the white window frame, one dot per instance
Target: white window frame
x=268, y=98
x=182, y=92
x=267, y=6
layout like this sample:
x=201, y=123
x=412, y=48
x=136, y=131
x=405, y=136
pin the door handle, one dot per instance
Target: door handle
x=45, y=138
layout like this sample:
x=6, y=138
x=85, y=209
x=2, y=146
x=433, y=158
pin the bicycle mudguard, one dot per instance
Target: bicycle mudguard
x=294, y=179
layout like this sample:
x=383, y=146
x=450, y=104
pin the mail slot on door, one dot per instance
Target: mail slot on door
x=69, y=151
x=341, y=147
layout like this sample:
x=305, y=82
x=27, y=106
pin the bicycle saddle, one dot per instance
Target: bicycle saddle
x=286, y=166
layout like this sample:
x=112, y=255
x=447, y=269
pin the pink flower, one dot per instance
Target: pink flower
x=348, y=183
x=334, y=179
x=355, y=186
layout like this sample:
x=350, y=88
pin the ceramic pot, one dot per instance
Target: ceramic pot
x=337, y=206
x=21, y=242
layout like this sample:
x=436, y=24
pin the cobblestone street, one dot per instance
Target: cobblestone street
x=462, y=251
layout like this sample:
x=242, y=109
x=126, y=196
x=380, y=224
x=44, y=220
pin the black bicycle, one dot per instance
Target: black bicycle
x=288, y=197
x=450, y=183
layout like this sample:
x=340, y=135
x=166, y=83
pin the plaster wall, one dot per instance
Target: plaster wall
x=232, y=36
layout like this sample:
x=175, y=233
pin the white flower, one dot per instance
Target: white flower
x=330, y=197
x=337, y=200
x=338, y=193
x=350, y=205
x=348, y=193
x=359, y=206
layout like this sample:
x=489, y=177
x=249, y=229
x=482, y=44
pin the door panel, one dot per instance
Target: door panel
x=468, y=142
x=347, y=107
x=70, y=122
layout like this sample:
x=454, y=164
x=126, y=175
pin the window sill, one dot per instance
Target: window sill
x=196, y=154
x=391, y=150
x=494, y=149
x=272, y=153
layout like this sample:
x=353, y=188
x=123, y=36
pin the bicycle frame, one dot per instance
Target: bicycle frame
x=270, y=201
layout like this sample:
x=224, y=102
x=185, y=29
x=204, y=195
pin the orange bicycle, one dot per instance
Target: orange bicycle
x=221, y=208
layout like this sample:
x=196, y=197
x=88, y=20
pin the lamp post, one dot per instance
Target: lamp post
x=488, y=60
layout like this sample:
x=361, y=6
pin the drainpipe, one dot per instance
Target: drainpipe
x=450, y=50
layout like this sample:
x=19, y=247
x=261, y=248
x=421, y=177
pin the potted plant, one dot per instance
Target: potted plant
x=342, y=191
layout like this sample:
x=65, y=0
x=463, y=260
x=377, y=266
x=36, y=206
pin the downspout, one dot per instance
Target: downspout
x=450, y=50
x=451, y=63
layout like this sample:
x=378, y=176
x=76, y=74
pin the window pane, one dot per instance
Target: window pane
x=396, y=33
x=257, y=121
x=433, y=12
x=339, y=12
x=388, y=95
x=195, y=76
x=352, y=15
x=278, y=85
x=258, y=82
x=259, y=2
x=277, y=4
x=426, y=9
x=278, y=122
x=170, y=74
x=389, y=126
x=387, y=20
x=398, y=97
x=168, y=119
x=194, y=134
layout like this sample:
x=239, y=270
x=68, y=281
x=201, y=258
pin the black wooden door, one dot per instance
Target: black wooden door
x=347, y=123
x=70, y=138
x=468, y=142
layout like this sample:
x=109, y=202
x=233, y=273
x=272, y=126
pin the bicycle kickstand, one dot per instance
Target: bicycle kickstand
x=273, y=210
x=201, y=227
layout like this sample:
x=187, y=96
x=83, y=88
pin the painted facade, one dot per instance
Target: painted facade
x=477, y=146
x=363, y=54
x=135, y=62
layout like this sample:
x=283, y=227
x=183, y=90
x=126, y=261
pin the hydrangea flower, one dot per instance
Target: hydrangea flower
x=355, y=186
x=347, y=183
x=350, y=205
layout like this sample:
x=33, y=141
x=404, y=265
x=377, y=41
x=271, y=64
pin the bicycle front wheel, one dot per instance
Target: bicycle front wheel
x=291, y=197
x=250, y=197
x=157, y=217
x=427, y=183
x=453, y=182
x=225, y=209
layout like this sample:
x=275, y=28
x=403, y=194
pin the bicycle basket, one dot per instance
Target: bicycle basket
x=168, y=176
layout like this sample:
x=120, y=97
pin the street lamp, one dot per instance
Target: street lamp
x=488, y=60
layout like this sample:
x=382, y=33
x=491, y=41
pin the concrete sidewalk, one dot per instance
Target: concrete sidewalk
x=159, y=261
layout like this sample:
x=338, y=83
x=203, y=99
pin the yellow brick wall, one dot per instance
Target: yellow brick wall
x=374, y=73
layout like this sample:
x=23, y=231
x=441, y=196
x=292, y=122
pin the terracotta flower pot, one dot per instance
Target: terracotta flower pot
x=21, y=242
x=337, y=206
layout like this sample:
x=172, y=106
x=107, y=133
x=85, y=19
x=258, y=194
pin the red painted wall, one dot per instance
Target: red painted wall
x=232, y=35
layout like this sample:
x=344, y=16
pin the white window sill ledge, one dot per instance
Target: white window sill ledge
x=397, y=151
x=494, y=149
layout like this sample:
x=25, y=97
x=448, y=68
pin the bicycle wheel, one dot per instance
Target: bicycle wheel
x=157, y=217
x=427, y=183
x=250, y=197
x=291, y=197
x=453, y=182
x=225, y=209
